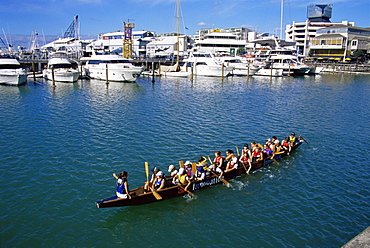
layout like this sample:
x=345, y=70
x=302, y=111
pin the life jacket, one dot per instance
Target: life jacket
x=202, y=166
x=218, y=160
x=285, y=144
x=157, y=183
x=121, y=186
x=246, y=152
x=244, y=159
x=268, y=151
x=189, y=172
x=182, y=179
x=233, y=163
x=256, y=154
x=292, y=139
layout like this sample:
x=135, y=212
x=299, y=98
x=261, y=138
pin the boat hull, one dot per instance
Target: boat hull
x=67, y=76
x=13, y=77
x=114, y=74
x=141, y=198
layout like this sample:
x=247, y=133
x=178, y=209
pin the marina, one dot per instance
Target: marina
x=86, y=118
x=62, y=144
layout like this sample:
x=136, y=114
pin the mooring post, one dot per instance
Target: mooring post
x=106, y=74
x=53, y=77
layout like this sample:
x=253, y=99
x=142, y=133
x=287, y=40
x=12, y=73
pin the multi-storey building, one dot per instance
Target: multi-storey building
x=340, y=42
x=318, y=18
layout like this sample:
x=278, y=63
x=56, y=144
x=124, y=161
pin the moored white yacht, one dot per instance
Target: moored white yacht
x=240, y=68
x=205, y=64
x=110, y=67
x=61, y=70
x=290, y=65
x=11, y=72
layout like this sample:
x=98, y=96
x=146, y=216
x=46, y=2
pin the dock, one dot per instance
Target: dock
x=362, y=240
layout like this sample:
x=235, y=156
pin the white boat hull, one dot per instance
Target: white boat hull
x=114, y=74
x=211, y=70
x=269, y=72
x=245, y=71
x=62, y=75
x=13, y=77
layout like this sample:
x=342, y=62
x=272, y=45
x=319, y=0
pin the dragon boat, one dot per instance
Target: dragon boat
x=139, y=197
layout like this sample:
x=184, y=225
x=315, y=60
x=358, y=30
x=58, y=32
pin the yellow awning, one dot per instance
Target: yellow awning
x=348, y=59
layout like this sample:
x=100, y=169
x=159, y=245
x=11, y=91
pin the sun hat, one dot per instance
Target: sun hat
x=159, y=174
x=171, y=167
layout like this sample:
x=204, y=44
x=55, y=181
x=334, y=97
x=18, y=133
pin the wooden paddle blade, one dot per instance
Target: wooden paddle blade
x=209, y=159
x=157, y=196
x=237, y=151
x=225, y=182
x=181, y=163
x=187, y=191
x=146, y=165
x=194, y=168
x=275, y=161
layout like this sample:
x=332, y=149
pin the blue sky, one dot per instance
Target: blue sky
x=52, y=17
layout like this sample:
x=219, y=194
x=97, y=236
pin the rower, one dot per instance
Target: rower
x=172, y=170
x=232, y=160
x=292, y=139
x=122, y=190
x=246, y=158
x=148, y=185
x=159, y=181
x=267, y=150
x=180, y=177
x=190, y=177
x=257, y=155
x=202, y=167
x=219, y=160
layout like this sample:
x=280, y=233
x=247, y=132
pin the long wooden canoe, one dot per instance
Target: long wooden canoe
x=138, y=196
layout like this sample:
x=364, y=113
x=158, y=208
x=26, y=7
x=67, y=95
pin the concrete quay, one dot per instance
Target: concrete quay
x=362, y=240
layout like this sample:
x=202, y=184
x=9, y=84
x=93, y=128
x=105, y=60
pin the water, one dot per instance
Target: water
x=59, y=148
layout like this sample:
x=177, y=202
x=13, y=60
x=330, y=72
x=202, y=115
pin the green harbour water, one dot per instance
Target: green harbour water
x=60, y=146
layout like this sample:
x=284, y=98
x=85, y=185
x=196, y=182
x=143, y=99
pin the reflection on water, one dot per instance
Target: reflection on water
x=62, y=144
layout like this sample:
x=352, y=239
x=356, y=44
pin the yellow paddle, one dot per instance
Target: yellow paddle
x=156, y=195
x=181, y=163
x=146, y=164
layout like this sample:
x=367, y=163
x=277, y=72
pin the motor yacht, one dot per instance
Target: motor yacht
x=110, y=67
x=11, y=72
x=290, y=65
x=61, y=70
x=240, y=68
x=205, y=64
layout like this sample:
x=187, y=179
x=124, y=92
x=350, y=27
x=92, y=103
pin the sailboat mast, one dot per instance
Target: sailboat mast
x=281, y=19
x=178, y=31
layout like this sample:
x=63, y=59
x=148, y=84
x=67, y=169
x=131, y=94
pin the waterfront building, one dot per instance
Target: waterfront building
x=318, y=18
x=113, y=42
x=340, y=42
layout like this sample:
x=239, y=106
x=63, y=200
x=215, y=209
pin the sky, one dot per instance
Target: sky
x=53, y=17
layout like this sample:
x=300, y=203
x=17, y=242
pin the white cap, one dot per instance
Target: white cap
x=187, y=162
x=159, y=174
x=171, y=167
